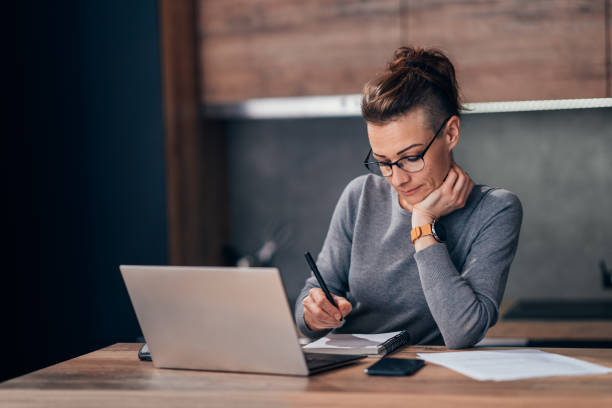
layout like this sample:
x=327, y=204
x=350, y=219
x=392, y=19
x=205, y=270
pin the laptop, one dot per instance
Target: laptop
x=220, y=319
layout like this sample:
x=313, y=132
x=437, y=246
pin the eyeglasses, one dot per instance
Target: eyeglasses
x=410, y=164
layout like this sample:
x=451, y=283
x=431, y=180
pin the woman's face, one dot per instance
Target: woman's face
x=409, y=135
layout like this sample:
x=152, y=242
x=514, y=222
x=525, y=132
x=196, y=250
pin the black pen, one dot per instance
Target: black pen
x=317, y=274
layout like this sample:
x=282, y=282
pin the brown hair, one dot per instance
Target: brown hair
x=416, y=77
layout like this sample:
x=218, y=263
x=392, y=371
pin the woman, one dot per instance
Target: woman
x=415, y=246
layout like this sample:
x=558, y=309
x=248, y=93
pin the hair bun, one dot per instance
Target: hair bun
x=414, y=77
x=408, y=57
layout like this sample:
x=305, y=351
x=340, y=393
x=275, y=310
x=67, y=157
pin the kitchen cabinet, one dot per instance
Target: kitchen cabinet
x=516, y=50
x=503, y=50
x=273, y=48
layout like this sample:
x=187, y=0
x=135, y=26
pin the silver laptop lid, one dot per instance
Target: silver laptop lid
x=215, y=318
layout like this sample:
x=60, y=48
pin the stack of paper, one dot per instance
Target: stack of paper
x=503, y=365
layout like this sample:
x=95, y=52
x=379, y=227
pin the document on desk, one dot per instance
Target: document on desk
x=504, y=365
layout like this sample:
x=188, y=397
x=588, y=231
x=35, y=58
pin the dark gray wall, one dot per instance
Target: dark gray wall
x=560, y=165
x=558, y=162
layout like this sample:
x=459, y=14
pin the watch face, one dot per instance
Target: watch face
x=439, y=232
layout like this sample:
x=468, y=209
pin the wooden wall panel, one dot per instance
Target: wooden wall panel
x=195, y=150
x=515, y=50
x=273, y=48
x=609, y=48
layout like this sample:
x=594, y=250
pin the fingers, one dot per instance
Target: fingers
x=462, y=188
x=319, y=313
x=450, y=196
x=450, y=180
x=321, y=300
x=458, y=188
x=343, y=304
x=316, y=318
x=468, y=186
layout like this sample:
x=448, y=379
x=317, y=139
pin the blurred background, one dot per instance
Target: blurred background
x=136, y=139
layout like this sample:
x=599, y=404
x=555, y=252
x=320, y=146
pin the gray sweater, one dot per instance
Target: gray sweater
x=445, y=294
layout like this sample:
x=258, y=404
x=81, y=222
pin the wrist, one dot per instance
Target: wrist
x=421, y=217
x=424, y=242
x=428, y=233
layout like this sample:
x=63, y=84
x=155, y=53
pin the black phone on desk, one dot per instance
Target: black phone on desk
x=395, y=366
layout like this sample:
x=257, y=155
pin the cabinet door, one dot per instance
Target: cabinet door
x=273, y=48
x=515, y=50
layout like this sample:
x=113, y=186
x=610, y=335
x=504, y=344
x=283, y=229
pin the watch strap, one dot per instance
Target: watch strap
x=421, y=231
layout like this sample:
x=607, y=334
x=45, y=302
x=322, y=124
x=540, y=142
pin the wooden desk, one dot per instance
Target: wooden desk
x=115, y=377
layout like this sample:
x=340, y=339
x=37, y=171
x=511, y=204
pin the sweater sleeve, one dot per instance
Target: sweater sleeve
x=334, y=259
x=465, y=303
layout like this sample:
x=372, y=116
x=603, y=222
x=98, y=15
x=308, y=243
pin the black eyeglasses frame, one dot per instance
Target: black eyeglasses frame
x=420, y=156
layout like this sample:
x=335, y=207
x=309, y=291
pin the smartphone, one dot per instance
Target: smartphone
x=395, y=366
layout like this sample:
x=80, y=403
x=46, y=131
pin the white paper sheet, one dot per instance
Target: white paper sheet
x=503, y=365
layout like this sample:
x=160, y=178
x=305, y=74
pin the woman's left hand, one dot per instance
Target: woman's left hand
x=450, y=196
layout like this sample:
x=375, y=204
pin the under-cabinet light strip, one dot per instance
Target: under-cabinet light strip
x=350, y=105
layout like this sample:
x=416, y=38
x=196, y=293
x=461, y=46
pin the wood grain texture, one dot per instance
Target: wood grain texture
x=274, y=48
x=195, y=152
x=115, y=377
x=515, y=50
x=608, y=23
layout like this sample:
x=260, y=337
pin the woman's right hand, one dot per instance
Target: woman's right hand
x=320, y=314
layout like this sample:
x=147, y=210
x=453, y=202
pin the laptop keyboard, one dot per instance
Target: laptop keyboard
x=317, y=360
